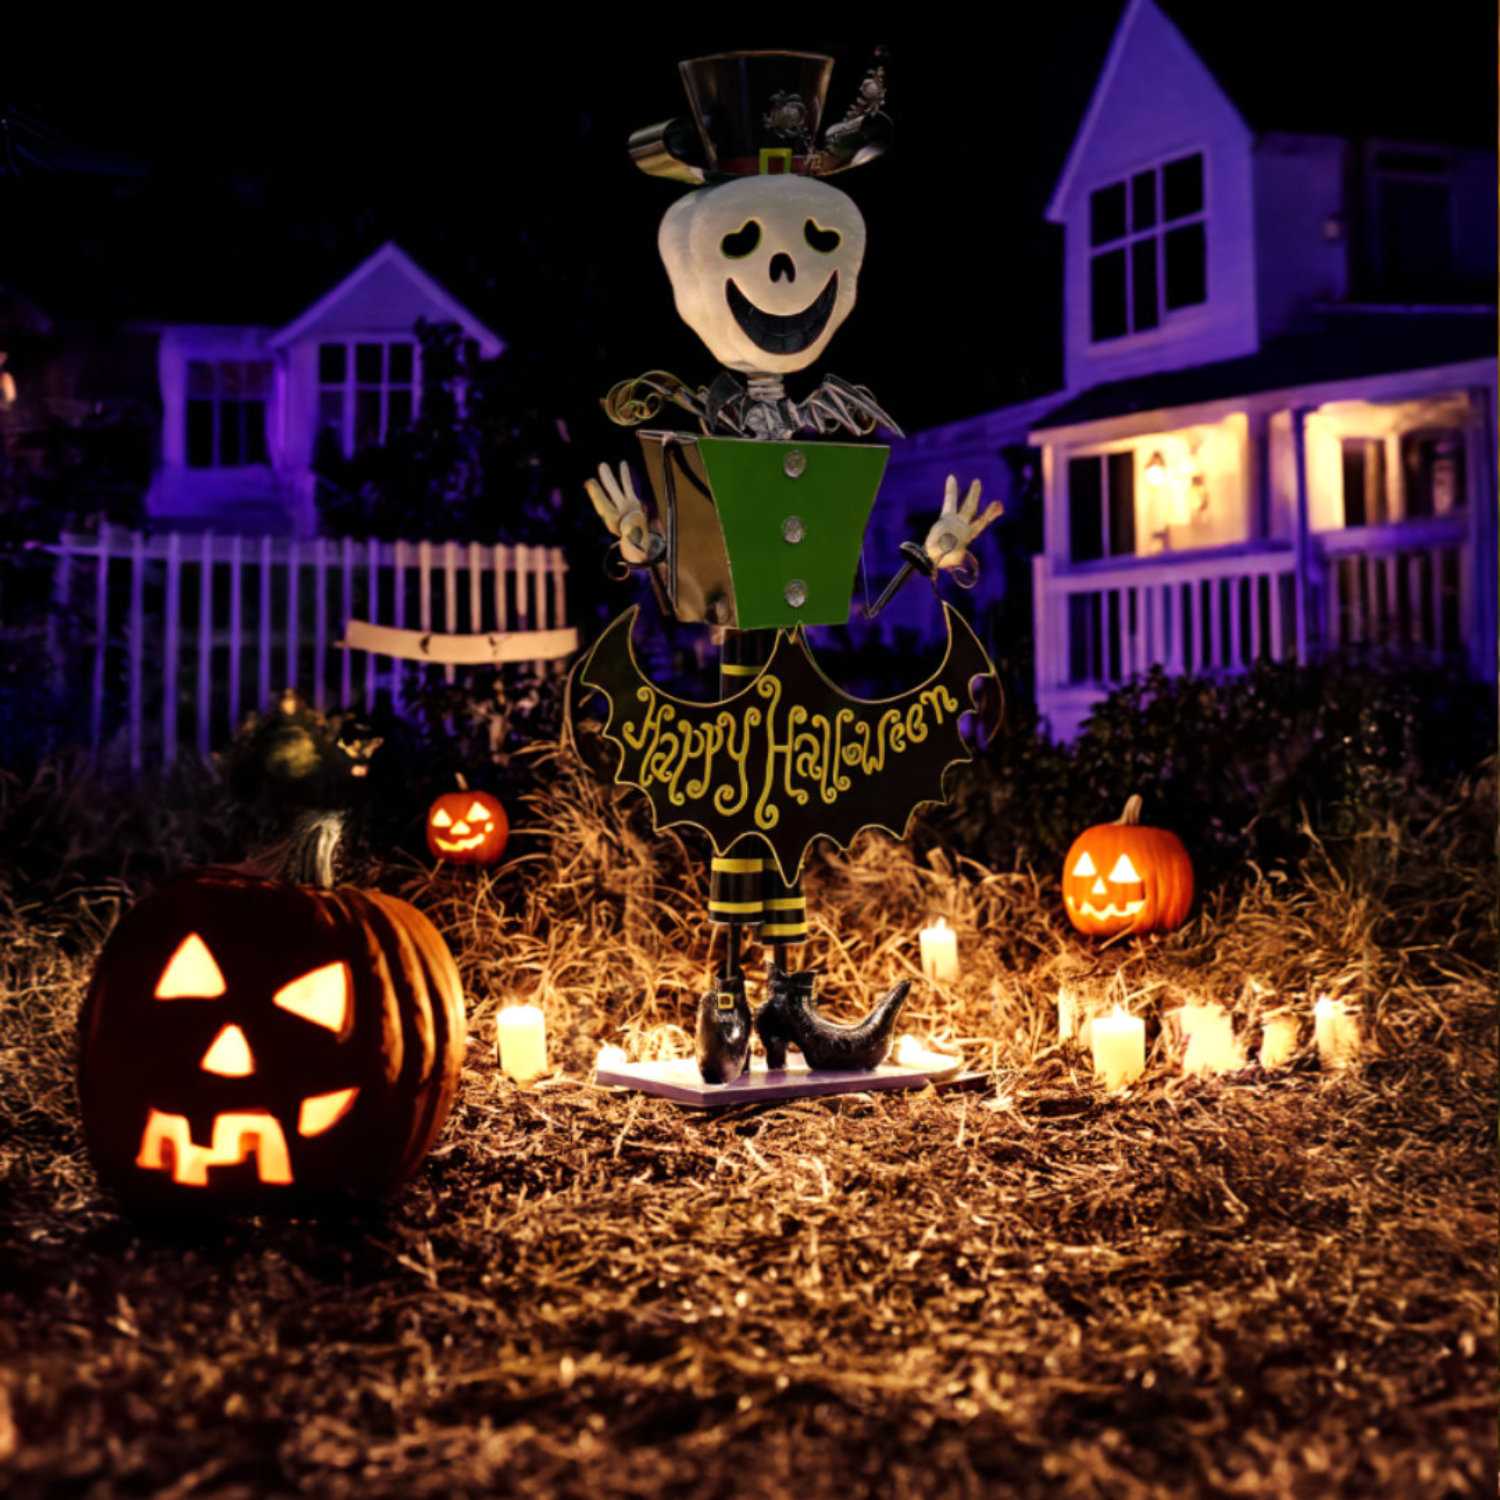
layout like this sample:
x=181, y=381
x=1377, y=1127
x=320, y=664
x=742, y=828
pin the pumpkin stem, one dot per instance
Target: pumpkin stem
x=463, y=782
x=1131, y=817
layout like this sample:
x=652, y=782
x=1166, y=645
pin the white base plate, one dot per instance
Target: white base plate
x=678, y=1079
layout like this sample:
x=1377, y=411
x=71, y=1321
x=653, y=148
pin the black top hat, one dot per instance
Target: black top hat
x=759, y=112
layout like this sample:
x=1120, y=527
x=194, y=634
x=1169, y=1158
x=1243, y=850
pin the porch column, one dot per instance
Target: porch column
x=1302, y=578
x=1484, y=543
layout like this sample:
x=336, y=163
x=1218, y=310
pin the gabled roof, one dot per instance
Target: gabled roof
x=1324, y=67
x=392, y=256
x=1136, y=12
x=1341, y=346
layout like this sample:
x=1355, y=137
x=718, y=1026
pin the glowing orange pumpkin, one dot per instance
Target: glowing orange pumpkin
x=467, y=828
x=249, y=1043
x=1124, y=877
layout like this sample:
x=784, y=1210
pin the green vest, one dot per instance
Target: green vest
x=760, y=534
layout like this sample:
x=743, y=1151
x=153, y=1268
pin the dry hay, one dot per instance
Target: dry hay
x=1268, y=1285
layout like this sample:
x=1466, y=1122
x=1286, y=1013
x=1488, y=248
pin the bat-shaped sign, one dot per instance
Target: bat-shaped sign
x=790, y=757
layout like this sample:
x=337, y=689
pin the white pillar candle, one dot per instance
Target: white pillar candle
x=939, y=951
x=1278, y=1041
x=1119, y=1045
x=521, y=1035
x=1211, y=1047
x=611, y=1056
x=1336, y=1033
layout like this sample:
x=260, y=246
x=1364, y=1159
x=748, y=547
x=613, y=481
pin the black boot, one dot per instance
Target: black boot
x=724, y=1030
x=790, y=1015
x=773, y=1019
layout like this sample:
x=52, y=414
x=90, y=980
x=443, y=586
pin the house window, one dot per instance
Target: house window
x=1414, y=225
x=1365, y=502
x=226, y=412
x=366, y=391
x=1433, y=471
x=1101, y=506
x=1148, y=248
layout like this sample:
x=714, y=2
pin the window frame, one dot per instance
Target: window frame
x=218, y=399
x=350, y=387
x=1157, y=233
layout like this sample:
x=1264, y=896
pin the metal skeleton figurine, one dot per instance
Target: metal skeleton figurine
x=760, y=530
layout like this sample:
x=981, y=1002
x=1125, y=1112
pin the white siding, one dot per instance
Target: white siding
x=1303, y=251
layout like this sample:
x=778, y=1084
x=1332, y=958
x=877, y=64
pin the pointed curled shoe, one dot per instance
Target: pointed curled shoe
x=724, y=1031
x=790, y=1016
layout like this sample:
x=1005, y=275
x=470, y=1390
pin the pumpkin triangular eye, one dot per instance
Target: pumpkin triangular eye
x=1124, y=870
x=478, y=813
x=230, y=1055
x=321, y=996
x=1085, y=865
x=191, y=973
x=441, y=819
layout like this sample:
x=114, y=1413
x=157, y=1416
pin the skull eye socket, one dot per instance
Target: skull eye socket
x=478, y=814
x=441, y=819
x=320, y=996
x=1085, y=865
x=191, y=973
x=741, y=242
x=1124, y=872
x=824, y=241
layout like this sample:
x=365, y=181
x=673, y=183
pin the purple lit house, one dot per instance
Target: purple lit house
x=1276, y=436
x=243, y=408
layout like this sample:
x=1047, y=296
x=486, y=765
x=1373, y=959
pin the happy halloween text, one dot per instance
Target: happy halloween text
x=768, y=753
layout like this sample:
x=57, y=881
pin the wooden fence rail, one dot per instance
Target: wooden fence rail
x=175, y=636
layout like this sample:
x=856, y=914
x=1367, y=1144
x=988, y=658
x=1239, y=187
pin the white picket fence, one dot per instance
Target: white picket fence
x=173, y=637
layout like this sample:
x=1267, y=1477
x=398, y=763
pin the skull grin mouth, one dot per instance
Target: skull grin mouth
x=788, y=333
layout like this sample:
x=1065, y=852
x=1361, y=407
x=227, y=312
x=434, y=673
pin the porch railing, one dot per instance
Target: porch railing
x=1408, y=586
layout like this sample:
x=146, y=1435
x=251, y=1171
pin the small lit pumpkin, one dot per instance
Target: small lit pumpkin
x=1124, y=877
x=249, y=1043
x=467, y=828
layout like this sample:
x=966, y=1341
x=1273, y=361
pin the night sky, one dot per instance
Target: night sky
x=233, y=171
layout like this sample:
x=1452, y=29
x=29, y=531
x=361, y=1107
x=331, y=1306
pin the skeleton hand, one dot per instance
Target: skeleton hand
x=948, y=539
x=619, y=508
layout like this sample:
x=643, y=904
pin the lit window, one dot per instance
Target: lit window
x=366, y=391
x=1101, y=506
x=226, y=412
x=1148, y=248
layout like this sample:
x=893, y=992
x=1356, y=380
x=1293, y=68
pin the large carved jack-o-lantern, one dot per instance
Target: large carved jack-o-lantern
x=764, y=269
x=249, y=1043
x=1124, y=877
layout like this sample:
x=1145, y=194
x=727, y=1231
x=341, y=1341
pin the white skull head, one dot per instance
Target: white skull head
x=764, y=268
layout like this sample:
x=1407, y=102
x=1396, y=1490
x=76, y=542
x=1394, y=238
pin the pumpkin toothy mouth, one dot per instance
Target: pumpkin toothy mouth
x=1088, y=909
x=457, y=846
x=790, y=333
x=167, y=1143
